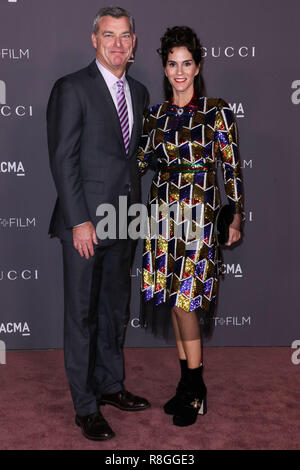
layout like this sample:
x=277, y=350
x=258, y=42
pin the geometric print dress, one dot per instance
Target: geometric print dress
x=180, y=256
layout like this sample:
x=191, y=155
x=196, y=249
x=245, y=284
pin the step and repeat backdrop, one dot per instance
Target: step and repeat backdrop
x=251, y=59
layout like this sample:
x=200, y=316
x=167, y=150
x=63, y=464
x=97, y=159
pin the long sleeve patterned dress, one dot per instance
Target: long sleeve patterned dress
x=180, y=257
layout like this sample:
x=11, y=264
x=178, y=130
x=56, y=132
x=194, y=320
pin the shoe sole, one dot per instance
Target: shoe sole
x=103, y=403
x=93, y=438
x=169, y=412
x=189, y=424
x=201, y=412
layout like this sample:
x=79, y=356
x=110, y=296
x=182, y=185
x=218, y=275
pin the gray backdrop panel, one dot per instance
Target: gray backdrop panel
x=252, y=61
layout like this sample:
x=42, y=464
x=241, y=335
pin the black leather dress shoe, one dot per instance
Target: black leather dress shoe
x=125, y=401
x=94, y=427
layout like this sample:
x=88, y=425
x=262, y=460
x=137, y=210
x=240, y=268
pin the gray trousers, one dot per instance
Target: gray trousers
x=96, y=296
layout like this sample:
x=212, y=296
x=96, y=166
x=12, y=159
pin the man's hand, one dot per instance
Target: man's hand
x=83, y=238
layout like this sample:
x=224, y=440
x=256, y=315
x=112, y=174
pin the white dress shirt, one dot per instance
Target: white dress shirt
x=111, y=82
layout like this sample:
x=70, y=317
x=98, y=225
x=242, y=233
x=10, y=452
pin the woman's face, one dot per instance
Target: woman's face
x=181, y=69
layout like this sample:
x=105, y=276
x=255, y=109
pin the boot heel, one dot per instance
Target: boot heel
x=203, y=408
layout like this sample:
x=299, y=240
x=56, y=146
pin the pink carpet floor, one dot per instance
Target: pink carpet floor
x=253, y=402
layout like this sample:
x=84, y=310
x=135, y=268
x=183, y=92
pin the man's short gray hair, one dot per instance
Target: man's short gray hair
x=115, y=12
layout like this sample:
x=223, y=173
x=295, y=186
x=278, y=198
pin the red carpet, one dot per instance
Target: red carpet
x=253, y=402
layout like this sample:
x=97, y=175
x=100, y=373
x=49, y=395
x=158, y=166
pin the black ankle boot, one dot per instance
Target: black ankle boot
x=193, y=400
x=171, y=407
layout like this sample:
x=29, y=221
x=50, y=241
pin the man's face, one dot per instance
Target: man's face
x=114, y=43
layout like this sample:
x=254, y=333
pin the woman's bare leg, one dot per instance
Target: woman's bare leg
x=188, y=338
x=181, y=352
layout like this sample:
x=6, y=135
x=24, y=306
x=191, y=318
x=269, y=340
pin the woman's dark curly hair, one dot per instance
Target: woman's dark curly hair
x=181, y=36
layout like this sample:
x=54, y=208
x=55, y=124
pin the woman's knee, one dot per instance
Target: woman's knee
x=179, y=312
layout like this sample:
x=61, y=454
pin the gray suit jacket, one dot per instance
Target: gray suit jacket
x=86, y=148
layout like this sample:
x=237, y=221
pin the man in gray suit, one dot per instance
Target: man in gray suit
x=94, y=121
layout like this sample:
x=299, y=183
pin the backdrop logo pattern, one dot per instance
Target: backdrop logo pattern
x=223, y=321
x=2, y=92
x=232, y=321
x=17, y=222
x=19, y=111
x=244, y=163
x=7, y=110
x=232, y=269
x=247, y=163
x=24, y=275
x=15, y=168
x=137, y=272
x=217, y=52
x=135, y=322
x=14, y=54
x=9, y=328
x=237, y=109
x=248, y=215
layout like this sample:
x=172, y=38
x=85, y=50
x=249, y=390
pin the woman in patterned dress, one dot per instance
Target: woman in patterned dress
x=185, y=134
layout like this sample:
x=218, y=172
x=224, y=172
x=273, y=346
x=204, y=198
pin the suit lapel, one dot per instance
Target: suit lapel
x=106, y=96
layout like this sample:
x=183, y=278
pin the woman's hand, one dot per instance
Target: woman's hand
x=234, y=236
x=234, y=230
